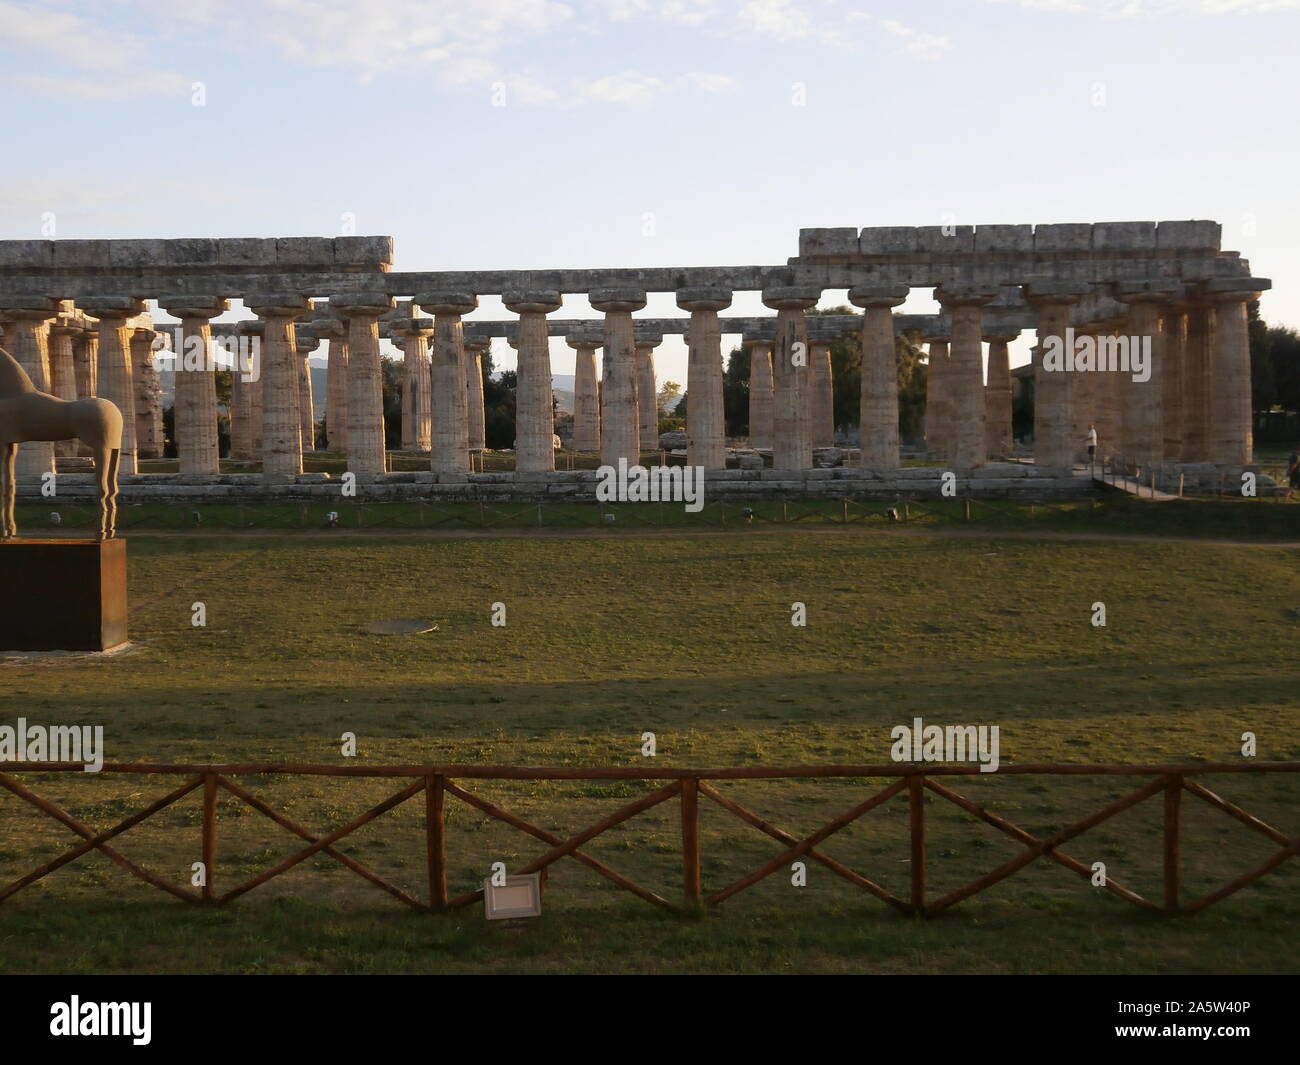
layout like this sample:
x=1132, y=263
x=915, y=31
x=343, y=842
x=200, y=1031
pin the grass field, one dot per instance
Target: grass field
x=686, y=634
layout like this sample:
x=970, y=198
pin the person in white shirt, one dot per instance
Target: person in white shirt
x=1092, y=442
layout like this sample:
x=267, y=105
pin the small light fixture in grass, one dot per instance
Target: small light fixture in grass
x=332, y=519
x=747, y=513
x=519, y=896
x=196, y=518
x=55, y=518
x=609, y=519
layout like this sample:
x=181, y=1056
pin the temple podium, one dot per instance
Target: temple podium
x=62, y=595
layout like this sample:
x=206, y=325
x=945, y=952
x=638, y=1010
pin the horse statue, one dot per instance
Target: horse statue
x=27, y=414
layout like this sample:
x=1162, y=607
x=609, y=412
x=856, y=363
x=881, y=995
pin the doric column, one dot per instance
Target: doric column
x=998, y=435
x=475, y=410
x=792, y=442
x=335, y=332
x=938, y=413
x=1054, y=443
x=449, y=430
x=281, y=423
x=821, y=396
x=416, y=381
x=620, y=428
x=114, y=371
x=1197, y=387
x=1144, y=434
x=194, y=411
x=26, y=339
x=878, y=397
x=247, y=371
x=148, y=395
x=365, y=383
x=1231, y=431
x=647, y=389
x=706, y=425
x=965, y=306
x=586, y=393
x=85, y=359
x=534, y=407
x=305, y=342
x=1173, y=327
x=63, y=375
x=762, y=399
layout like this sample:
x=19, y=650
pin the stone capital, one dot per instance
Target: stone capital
x=647, y=340
x=113, y=306
x=444, y=302
x=1001, y=338
x=877, y=295
x=791, y=297
x=749, y=340
x=477, y=345
x=194, y=306
x=252, y=327
x=534, y=302
x=277, y=305
x=1055, y=293
x=1234, y=289
x=963, y=296
x=413, y=327
x=703, y=299
x=360, y=304
x=1154, y=291
x=584, y=340
x=328, y=327
x=28, y=308
x=617, y=299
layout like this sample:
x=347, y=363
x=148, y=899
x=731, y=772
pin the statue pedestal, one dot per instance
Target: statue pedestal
x=62, y=595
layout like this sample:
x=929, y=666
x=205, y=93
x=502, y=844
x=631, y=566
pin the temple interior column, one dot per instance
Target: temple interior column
x=620, y=425
x=417, y=382
x=27, y=340
x=194, y=408
x=938, y=413
x=449, y=438
x=647, y=388
x=475, y=411
x=1143, y=417
x=534, y=405
x=305, y=342
x=1054, y=443
x=878, y=395
x=821, y=396
x=281, y=420
x=148, y=395
x=63, y=380
x=792, y=441
x=965, y=306
x=586, y=393
x=706, y=427
x=999, y=436
x=114, y=369
x=366, y=449
x=761, y=395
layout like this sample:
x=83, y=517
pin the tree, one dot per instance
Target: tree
x=735, y=393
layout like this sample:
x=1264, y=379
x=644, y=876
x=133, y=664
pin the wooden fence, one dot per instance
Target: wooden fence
x=436, y=783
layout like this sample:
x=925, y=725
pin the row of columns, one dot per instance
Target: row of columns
x=1195, y=407
x=74, y=356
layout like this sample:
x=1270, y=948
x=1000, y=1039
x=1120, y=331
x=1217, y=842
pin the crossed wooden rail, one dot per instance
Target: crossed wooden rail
x=435, y=783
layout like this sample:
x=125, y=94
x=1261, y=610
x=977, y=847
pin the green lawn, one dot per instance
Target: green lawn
x=685, y=634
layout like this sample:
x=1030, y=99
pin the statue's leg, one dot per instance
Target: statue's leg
x=101, y=491
x=8, y=490
x=114, y=460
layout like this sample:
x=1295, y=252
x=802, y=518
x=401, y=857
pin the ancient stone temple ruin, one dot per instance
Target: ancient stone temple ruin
x=75, y=316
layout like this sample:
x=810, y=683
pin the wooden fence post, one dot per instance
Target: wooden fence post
x=691, y=843
x=1173, y=842
x=435, y=800
x=209, y=834
x=916, y=806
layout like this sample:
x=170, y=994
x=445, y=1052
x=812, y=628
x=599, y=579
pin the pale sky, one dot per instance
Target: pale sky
x=528, y=134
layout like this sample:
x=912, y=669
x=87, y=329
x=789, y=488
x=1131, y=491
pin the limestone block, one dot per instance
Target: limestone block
x=1124, y=236
x=304, y=251
x=840, y=242
x=190, y=251
x=888, y=240
x=946, y=240
x=74, y=254
x=136, y=253
x=27, y=253
x=1064, y=236
x=246, y=251
x=1188, y=236
x=1004, y=238
x=363, y=251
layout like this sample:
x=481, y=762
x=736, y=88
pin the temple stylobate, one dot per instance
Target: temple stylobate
x=73, y=313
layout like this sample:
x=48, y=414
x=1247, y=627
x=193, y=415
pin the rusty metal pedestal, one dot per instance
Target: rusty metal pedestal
x=62, y=595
